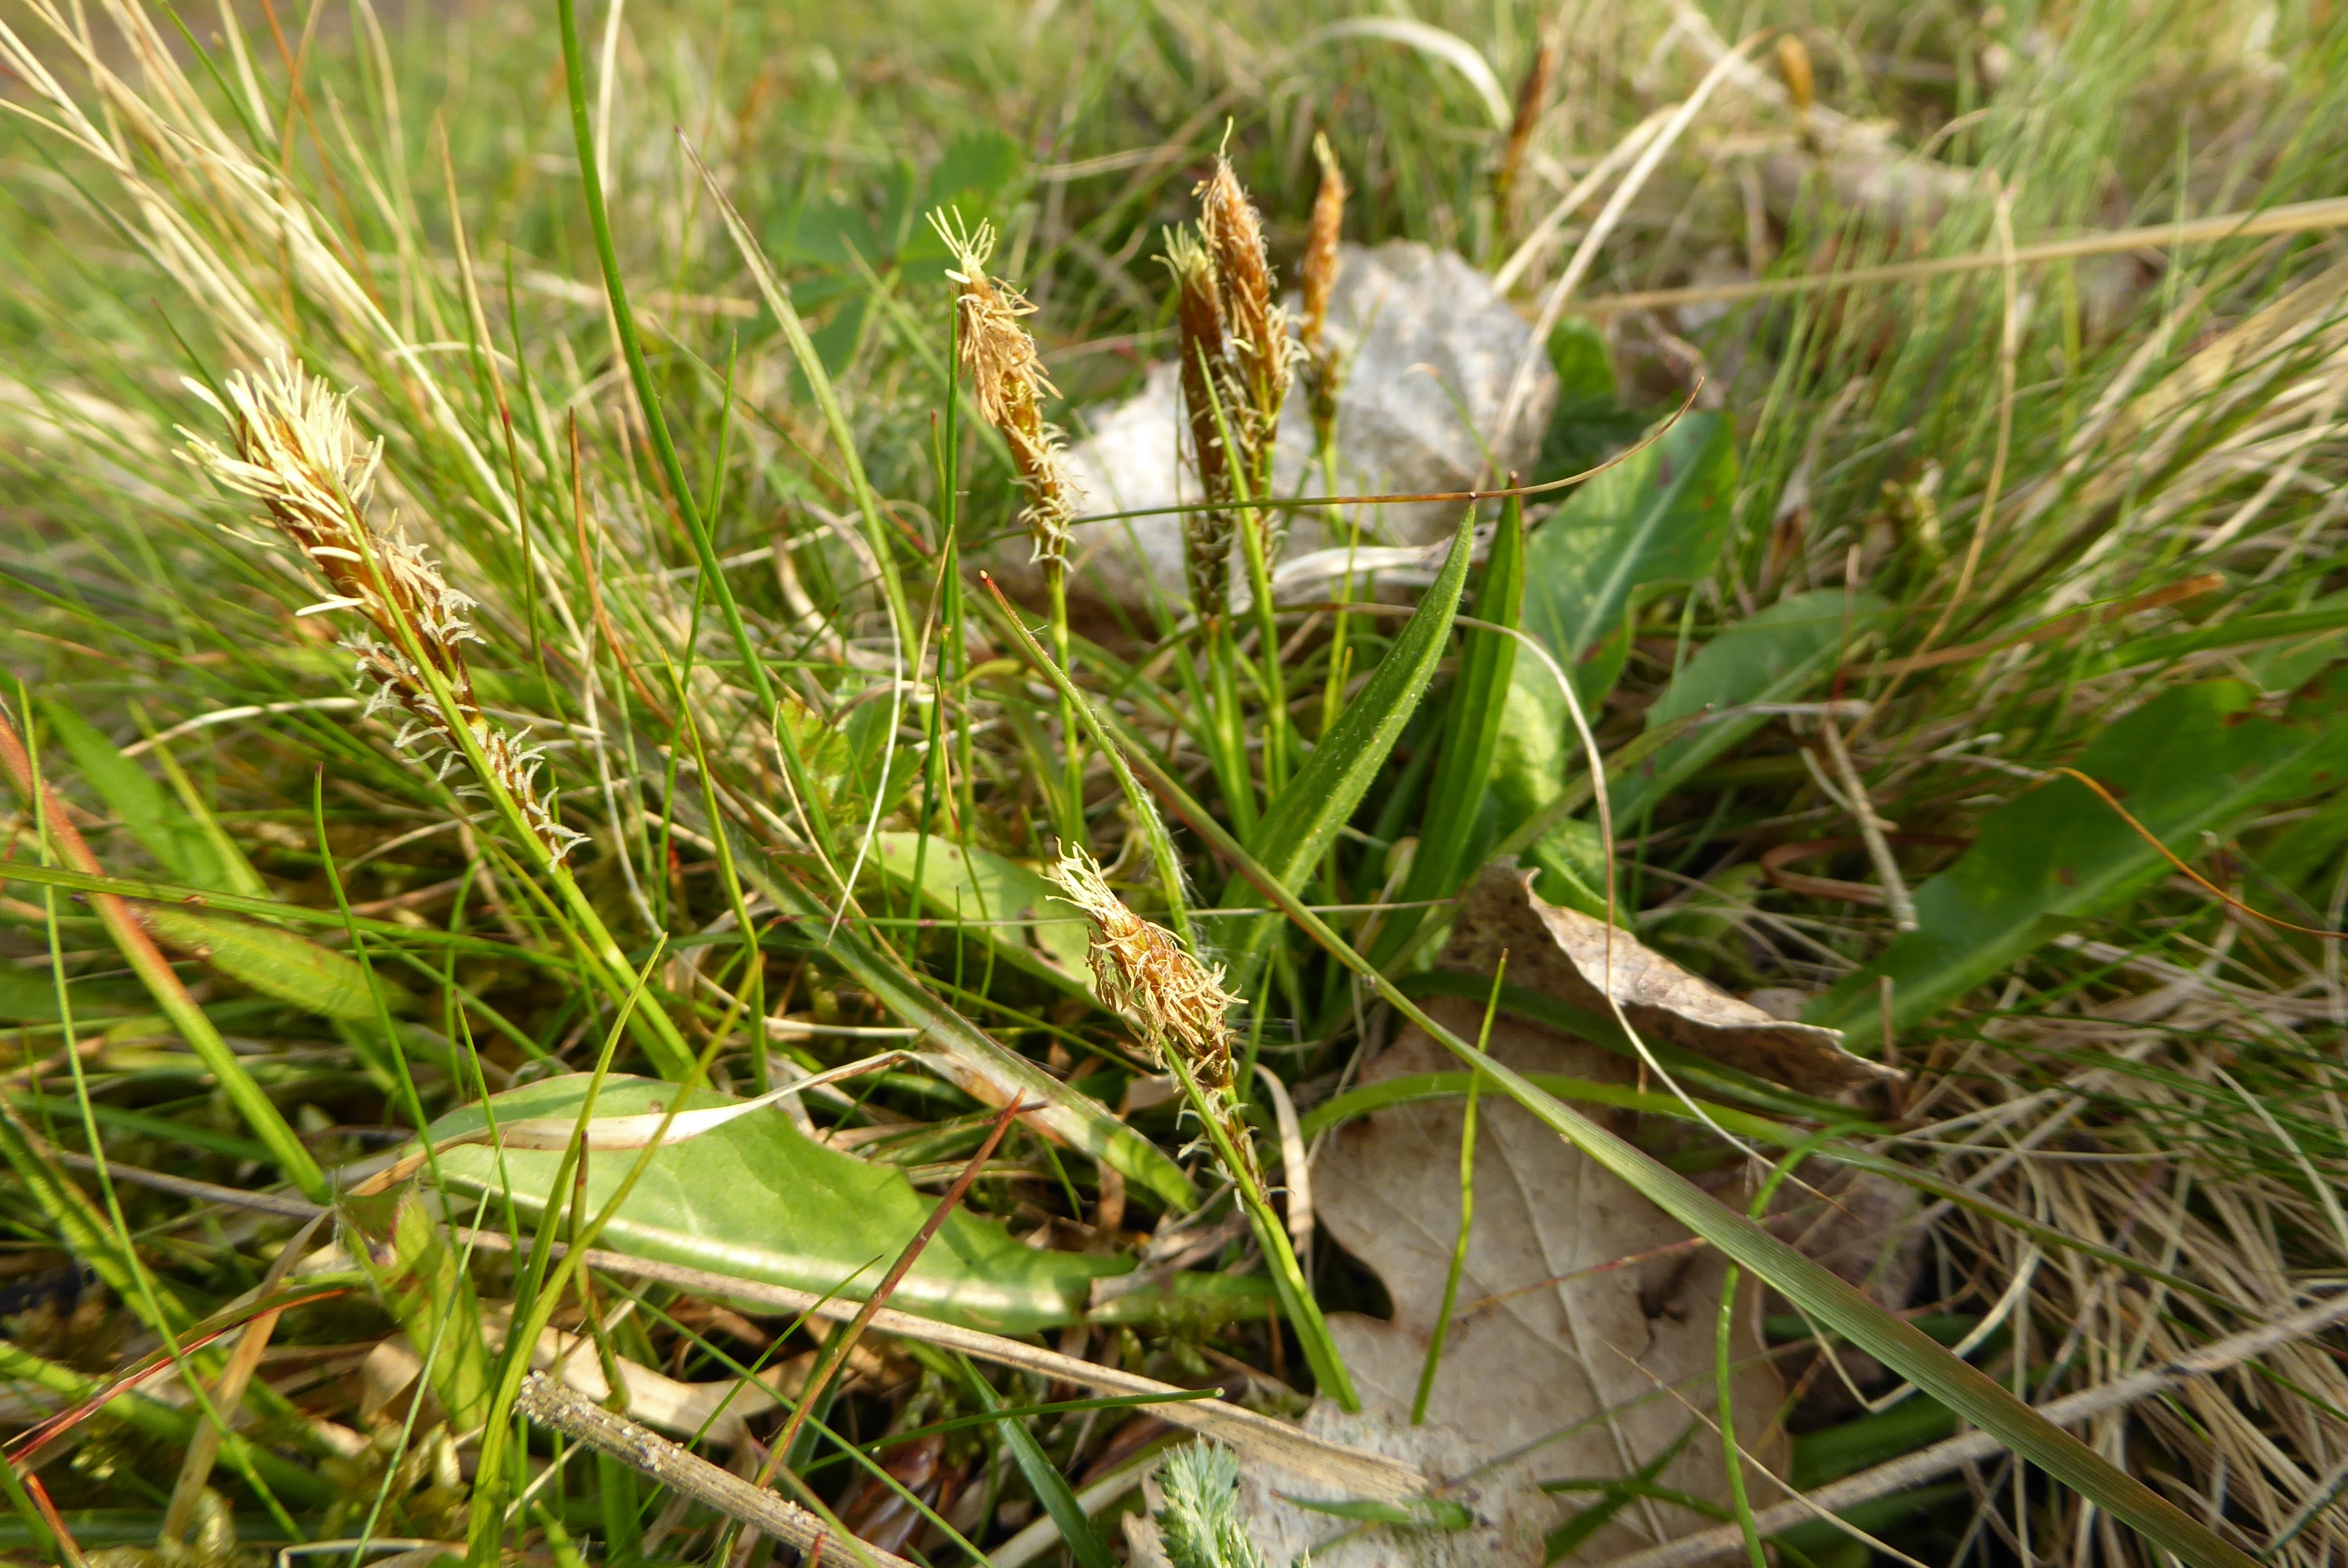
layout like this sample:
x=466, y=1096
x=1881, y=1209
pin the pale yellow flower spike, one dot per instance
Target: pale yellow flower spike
x=1141, y=970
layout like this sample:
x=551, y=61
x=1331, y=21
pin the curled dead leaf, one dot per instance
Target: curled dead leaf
x=1564, y=954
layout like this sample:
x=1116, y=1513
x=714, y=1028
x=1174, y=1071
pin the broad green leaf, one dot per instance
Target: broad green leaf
x=1831, y=1301
x=275, y=963
x=1007, y=906
x=757, y=1200
x=1471, y=733
x=1775, y=656
x=1300, y=825
x=1659, y=517
x=2192, y=760
x=146, y=808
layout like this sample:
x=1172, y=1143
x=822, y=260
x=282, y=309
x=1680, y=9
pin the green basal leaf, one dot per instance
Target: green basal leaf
x=2195, y=759
x=756, y=1200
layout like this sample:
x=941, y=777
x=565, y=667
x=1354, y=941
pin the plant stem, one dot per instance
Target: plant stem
x=1071, y=807
x=1466, y=1211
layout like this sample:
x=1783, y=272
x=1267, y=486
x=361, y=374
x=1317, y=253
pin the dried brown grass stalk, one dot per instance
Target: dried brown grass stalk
x=1319, y=281
x=1008, y=376
x=292, y=448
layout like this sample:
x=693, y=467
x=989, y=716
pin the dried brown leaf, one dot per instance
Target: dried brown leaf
x=1563, y=953
x=1583, y=1309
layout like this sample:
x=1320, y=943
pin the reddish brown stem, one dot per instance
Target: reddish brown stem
x=835, y=1353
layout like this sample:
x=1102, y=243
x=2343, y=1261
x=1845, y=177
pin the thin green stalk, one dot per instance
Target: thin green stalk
x=1288, y=1279
x=1288, y=1275
x=1070, y=805
x=1226, y=734
x=664, y=447
x=1466, y=1211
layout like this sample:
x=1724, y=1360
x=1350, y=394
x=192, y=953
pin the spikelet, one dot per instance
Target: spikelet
x=293, y=450
x=1532, y=97
x=1000, y=356
x=1256, y=327
x=1208, y=390
x=1140, y=970
x=1321, y=374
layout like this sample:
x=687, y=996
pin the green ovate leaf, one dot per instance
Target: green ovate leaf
x=757, y=1200
x=1775, y=656
x=2193, y=759
x=1660, y=517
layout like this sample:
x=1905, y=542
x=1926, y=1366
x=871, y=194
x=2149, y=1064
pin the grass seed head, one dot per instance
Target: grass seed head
x=1532, y=97
x=1319, y=281
x=1142, y=971
x=1008, y=376
x=292, y=448
x=1232, y=231
x=1208, y=401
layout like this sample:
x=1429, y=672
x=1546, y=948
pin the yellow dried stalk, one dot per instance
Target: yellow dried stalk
x=1140, y=970
x=1320, y=374
x=292, y=448
x=1207, y=390
x=1009, y=379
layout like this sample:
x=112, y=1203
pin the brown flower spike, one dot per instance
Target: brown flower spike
x=1258, y=328
x=1000, y=356
x=1208, y=401
x=296, y=453
x=1141, y=970
x=1319, y=281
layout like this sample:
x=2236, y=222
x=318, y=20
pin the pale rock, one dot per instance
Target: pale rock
x=1429, y=350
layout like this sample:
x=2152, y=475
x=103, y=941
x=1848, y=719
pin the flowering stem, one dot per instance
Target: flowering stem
x=1225, y=1133
x=1071, y=811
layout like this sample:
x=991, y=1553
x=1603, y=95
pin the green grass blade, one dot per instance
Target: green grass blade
x=2191, y=760
x=1297, y=830
x=1050, y=1486
x=1471, y=734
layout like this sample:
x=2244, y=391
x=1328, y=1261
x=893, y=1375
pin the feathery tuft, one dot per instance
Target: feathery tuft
x=1142, y=971
x=1008, y=376
x=294, y=450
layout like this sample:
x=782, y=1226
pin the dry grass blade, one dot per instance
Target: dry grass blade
x=1914, y=1469
x=549, y=1403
